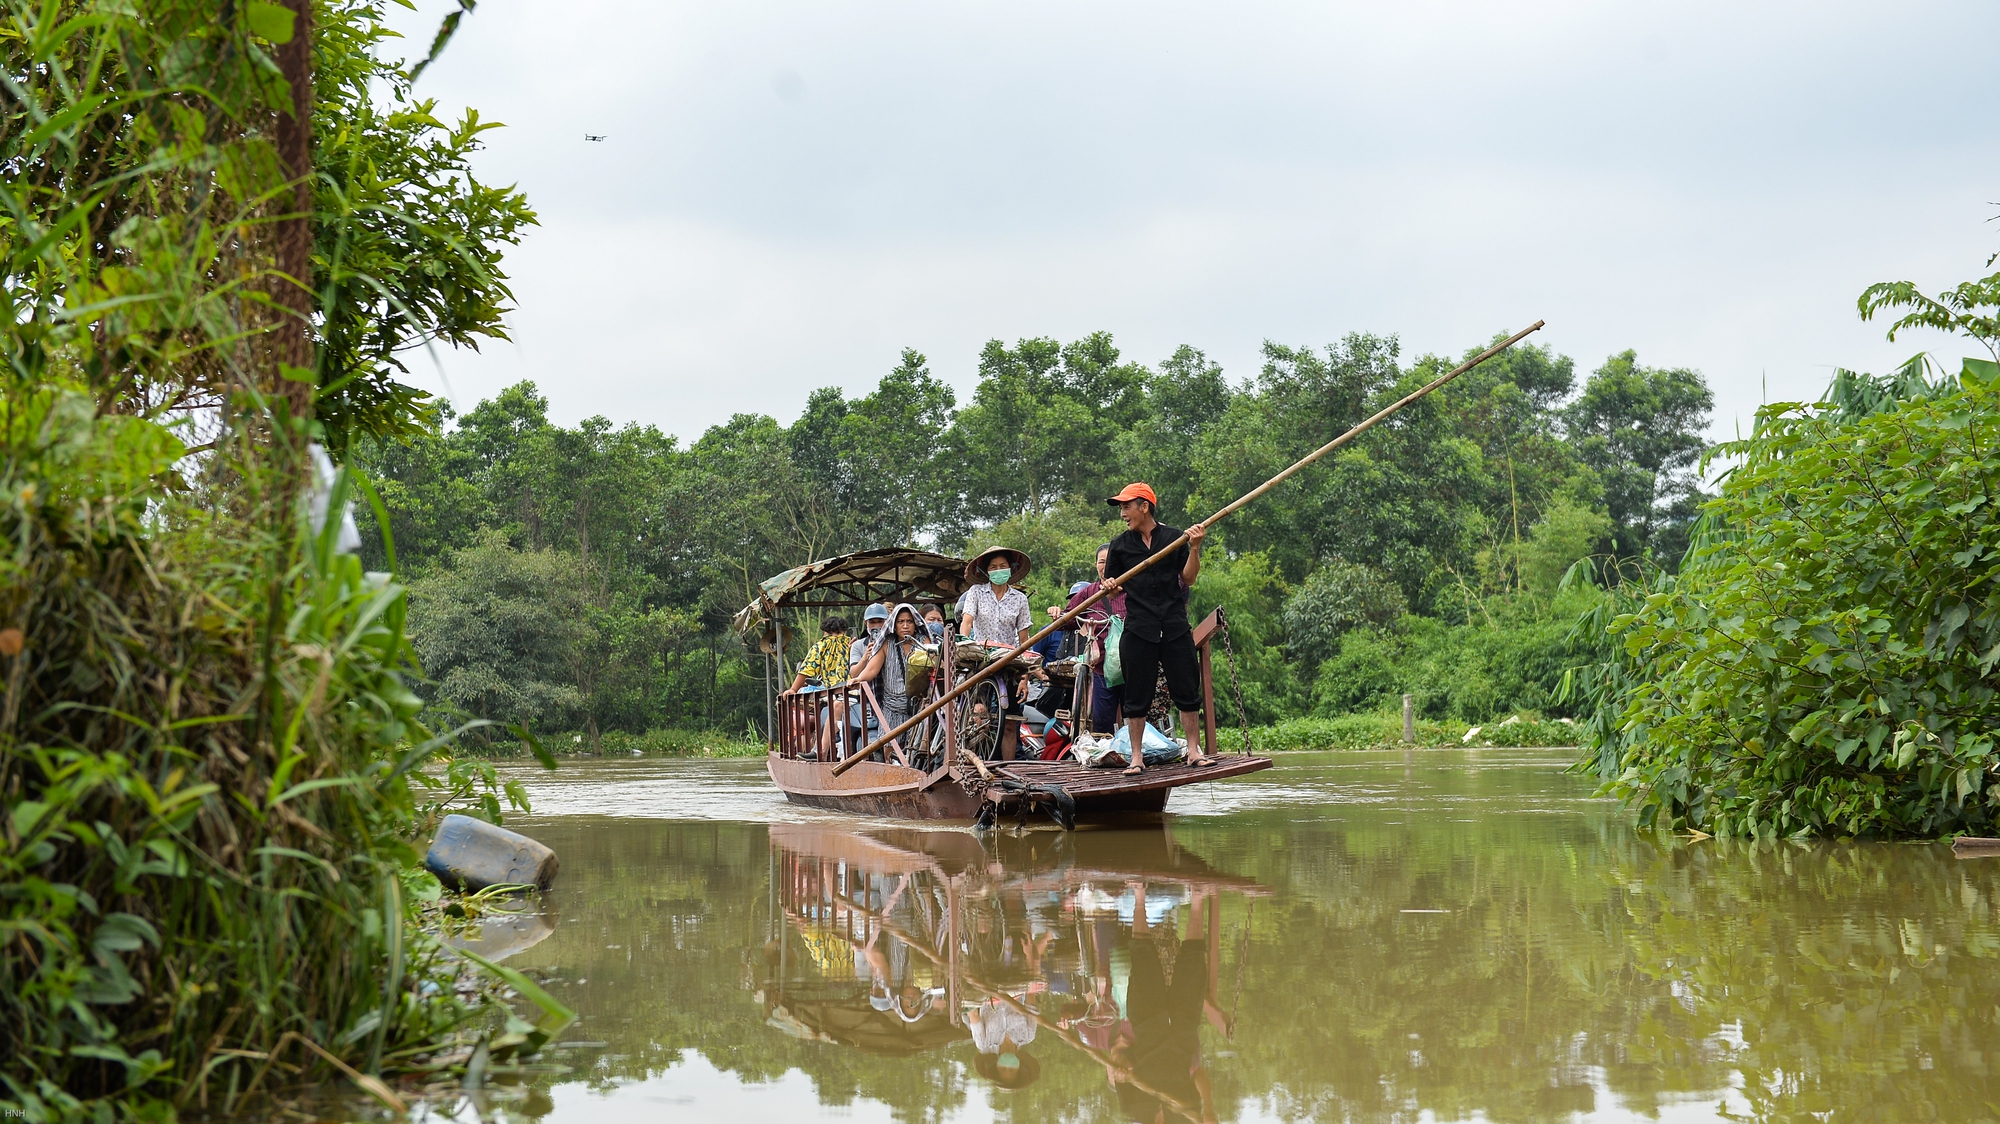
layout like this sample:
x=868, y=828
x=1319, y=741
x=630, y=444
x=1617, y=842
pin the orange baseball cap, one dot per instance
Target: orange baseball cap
x=1136, y=491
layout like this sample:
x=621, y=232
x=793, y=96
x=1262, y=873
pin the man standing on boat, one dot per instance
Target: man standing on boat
x=1157, y=636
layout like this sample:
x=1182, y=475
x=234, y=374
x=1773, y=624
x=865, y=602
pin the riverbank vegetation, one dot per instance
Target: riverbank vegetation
x=1823, y=663
x=214, y=771
x=583, y=577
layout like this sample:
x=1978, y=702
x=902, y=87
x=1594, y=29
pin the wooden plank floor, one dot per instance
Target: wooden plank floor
x=1079, y=781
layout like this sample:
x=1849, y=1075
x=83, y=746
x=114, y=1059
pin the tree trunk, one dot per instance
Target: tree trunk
x=292, y=235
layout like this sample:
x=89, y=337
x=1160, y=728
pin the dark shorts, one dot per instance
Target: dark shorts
x=1143, y=661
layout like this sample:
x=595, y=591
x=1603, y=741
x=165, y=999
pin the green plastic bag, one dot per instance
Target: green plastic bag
x=1114, y=664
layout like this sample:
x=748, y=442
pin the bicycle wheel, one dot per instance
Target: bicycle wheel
x=979, y=720
x=924, y=743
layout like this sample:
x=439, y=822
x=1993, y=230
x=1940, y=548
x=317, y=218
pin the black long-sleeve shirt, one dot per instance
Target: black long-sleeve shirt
x=1155, y=599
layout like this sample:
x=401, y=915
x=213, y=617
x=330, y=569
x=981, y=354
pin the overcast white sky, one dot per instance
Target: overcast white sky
x=791, y=192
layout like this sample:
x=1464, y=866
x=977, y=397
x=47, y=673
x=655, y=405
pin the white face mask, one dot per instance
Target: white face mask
x=876, y=629
x=1000, y=577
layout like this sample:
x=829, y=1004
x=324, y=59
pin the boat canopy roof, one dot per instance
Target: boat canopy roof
x=891, y=574
x=855, y=1023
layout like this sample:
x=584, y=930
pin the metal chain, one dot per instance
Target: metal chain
x=968, y=778
x=1242, y=713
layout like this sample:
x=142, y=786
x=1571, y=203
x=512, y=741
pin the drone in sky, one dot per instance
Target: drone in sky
x=593, y=136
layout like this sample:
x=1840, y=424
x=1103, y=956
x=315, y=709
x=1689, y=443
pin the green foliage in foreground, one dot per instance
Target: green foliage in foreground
x=407, y=241
x=214, y=774
x=213, y=771
x=1825, y=661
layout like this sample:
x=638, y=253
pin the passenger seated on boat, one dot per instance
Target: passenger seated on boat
x=886, y=669
x=1046, y=695
x=874, y=625
x=1056, y=645
x=999, y=1032
x=823, y=669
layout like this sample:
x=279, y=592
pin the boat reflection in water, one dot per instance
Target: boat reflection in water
x=1109, y=944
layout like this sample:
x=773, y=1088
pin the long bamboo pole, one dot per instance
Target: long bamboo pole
x=1108, y=588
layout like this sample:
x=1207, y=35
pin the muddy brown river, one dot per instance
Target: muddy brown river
x=1443, y=936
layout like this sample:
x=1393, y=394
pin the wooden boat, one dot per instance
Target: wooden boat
x=896, y=791
x=944, y=769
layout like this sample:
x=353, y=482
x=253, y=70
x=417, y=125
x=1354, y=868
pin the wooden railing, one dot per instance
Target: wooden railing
x=853, y=709
x=801, y=717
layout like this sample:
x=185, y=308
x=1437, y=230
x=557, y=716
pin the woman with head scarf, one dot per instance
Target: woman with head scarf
x=886, y=669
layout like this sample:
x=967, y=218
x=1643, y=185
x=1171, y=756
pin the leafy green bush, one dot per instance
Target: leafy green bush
x=532, y=637
x=1825, y=661
x=1511, y=662
x=1334, y=600
x=1250, y=592
x=213, y=771
x=1384, y=730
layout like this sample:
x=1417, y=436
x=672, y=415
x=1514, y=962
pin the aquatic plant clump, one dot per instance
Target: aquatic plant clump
x=1825, y=661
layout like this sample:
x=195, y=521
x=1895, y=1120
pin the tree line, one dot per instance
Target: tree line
x=583, y=577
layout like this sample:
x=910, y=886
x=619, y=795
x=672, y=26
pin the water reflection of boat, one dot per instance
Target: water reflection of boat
x=900, y=941
x=945, y=768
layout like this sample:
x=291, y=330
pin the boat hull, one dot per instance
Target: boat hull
x=873, y=788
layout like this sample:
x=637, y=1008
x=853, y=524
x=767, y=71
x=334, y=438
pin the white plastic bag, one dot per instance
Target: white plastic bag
x=1117, y=752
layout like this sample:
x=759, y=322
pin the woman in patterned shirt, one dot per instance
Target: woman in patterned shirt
x=824, y=668
x=997, y=614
